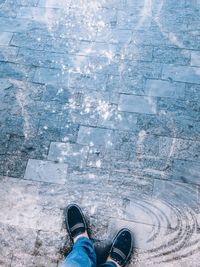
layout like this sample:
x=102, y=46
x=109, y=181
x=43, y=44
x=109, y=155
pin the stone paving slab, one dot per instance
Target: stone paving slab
x=195, y=59
x=161, y=88
x=181, y=74
x=137, y=104
x=186, y=171
x=69, y=153
x=46, y=171
x=5, y=38
x=22, y=209
x=95, y=136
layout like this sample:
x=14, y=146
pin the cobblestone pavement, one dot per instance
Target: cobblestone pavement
x=100, y=105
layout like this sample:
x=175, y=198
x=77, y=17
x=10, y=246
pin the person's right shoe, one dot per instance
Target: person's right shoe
x=122, y=247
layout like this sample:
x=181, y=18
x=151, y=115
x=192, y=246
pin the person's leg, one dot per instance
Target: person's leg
x=82, y=254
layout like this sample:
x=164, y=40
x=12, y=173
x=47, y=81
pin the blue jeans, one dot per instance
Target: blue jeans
x=83, y=255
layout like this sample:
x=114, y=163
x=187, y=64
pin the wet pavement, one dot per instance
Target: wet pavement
x=100, y=106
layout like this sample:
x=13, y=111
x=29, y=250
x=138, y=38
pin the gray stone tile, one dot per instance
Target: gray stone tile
x=188, y=39
x=154, y=212
x=170, y=55
x=132, y=19
x=114, y=36
x=87, y=81
x=150, y=36
x=23, y=259
x=83, y=116
x=105, y=200
x=148, y=167
x=180, y=195
x=153, y=124
x=8, y=54
x=195, y=58
x=43, y=3
x=15, y=165
x=147, y=69
x=138, y=104
x=13, y=25
x=91, y=177
x=73, y=154
x=147, y=144
x=17, y=240
x=50, y=244
x=99, y=99
x=187, y=128
x=192, y=92
x=63, y=95
x=161, y=88
x=5, y=84
x=97, y=49
x=186, y=171
x=136, y=53
x=95, y=136
x=50, y=76
x=128, y=85
x=102, y=158
x=4, y=143
x=98, y=159
x=29, y=40
x=125, y=140
x=68, y=131
x=28, y=2
x=2, y=163
x=5, y=38
x=33, y=147
x=126, y=121
x=46, y=171
x=181, y=73
x=107, y=115
x=5, y=260
x=16, y=71
x=40, y=39
x=140, y=188
x=169, y=17
x=178, y=109
x=169, y=125
x=179, y=148
x=43, y=59
x=58, y=197
x=8, y=10
x=19, y=207
x=36, y=13
x=171, y=258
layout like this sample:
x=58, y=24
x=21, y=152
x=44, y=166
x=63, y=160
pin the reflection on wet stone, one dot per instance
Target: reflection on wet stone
x=99, y=106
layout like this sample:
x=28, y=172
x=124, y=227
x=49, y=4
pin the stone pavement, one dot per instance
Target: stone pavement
x=100, y=105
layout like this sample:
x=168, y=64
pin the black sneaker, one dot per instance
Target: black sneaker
x=122, y=247
x=75, y=221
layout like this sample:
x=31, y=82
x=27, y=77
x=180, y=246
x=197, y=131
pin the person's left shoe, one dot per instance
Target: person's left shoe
x=75, y=221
